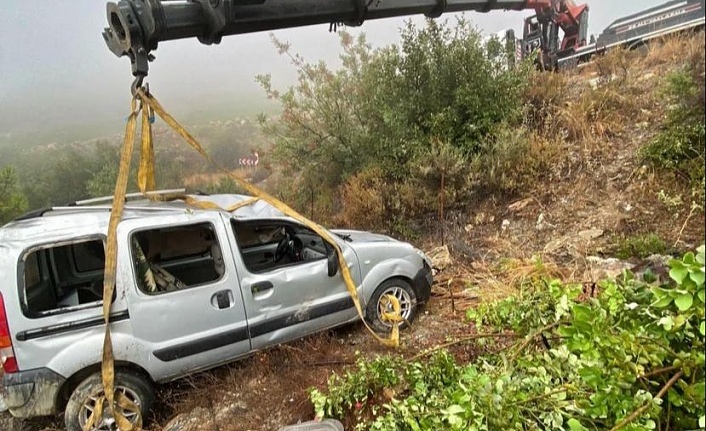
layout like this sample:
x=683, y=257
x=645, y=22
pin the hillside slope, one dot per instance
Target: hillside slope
x=600, y=193
x=594, y=197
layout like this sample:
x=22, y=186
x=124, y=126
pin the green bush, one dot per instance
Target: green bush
x=12, y=201
x=640, y=246
x=603, y=363
x=681, y=145
x=397, y=110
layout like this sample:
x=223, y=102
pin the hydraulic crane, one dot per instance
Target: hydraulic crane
x=137, y=26
x=541, y=31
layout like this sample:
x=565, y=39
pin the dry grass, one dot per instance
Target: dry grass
x=561, y=105
x=487, y=280
x=612, y=102
x=672, y=50
x=516, y=159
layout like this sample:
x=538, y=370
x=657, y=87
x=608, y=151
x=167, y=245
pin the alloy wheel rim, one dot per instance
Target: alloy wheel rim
x=404, y=299
x=107, y=422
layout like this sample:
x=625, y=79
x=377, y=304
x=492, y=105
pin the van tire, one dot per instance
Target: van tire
x=133, y=385
x=405, y=294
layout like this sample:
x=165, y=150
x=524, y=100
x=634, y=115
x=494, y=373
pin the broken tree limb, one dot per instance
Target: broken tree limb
x=528, y=339
x=461, y=341
x=645, y=406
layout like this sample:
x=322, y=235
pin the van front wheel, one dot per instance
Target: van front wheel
x=136, y=392
x=379, y=304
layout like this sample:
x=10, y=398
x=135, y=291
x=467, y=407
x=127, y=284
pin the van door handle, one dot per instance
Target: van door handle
x=261, y=287
x=222, y=299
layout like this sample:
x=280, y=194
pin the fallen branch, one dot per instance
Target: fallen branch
x=325, y=363
x=659, y=371
x=640, y=410
x=688, y=217
x=461, y=341
x=451, y=292
x=531, y=337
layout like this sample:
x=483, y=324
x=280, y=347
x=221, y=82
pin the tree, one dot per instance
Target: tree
x=12, y=201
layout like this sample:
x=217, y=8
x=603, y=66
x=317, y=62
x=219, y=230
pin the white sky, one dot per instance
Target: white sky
x=56, y=71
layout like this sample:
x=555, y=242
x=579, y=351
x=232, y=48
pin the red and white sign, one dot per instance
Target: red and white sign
x=250, y=161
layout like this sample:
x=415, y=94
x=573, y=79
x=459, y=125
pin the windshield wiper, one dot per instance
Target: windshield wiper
x=345, y=237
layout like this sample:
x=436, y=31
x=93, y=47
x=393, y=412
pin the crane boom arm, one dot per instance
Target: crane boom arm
x=135, y=27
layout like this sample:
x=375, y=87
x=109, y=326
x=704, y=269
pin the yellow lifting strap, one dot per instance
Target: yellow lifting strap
x=146, y=182
x=107, y=363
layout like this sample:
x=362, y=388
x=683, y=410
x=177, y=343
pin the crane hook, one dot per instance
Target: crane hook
x=136, y=83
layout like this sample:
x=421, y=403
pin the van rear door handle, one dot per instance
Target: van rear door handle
x=261, y=287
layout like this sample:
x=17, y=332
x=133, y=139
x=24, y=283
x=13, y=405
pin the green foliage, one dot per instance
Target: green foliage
x=681, y=145
x=106, y=159
x=449, y=86
x=351, y=388
x=394, y=110
x=606, y=359
x=57, y=175
x=640, y=246
x=513, y=160
x=225, y=185
x=12, y=201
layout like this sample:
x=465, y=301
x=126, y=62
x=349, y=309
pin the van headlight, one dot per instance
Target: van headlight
x=424, y=257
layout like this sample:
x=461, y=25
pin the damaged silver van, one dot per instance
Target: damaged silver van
x=195, y=289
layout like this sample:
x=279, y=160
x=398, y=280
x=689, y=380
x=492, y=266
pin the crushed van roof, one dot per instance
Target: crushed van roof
x=59, y=219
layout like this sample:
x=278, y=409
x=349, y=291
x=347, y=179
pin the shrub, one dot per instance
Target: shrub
x=371, y=201
x=640, y=246
x=680, y=145
x=514, y=160
x=369, y=127
x=364, y=201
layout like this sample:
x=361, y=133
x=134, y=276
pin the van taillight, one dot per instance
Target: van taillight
x=7, y=354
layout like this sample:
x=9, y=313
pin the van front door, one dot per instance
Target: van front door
x=285, y=283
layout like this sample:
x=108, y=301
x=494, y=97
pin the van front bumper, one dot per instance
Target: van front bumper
x=30, y=393
x=422, y=283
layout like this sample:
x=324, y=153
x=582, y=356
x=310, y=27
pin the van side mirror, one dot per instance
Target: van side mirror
x=332, y=261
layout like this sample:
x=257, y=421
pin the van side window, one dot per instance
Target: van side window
x=268, y=245
x=60, y=278
x=176, y=257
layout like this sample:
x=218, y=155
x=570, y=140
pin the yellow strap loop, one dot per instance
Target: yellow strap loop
x=394, y=316
x=145, y=174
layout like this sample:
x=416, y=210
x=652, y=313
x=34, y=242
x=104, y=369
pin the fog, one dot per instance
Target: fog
x=59, y=82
